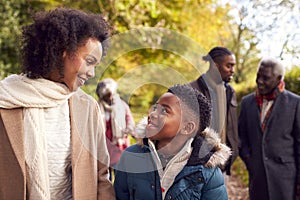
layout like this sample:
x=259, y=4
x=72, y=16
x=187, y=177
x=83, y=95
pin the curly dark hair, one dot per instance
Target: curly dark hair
x=194, y=104
x=56, y=31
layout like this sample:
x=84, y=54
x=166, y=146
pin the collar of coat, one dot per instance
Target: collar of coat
x=207, y=149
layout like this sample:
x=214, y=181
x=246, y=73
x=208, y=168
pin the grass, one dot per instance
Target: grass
x=240, y=170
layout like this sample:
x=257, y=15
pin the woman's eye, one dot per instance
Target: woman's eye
x=90, y=62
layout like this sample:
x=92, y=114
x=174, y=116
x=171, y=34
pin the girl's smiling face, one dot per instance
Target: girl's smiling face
x=79, y=67
x=164, y=119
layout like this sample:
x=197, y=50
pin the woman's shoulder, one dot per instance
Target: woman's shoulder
x=80, y=95
x=82, y=100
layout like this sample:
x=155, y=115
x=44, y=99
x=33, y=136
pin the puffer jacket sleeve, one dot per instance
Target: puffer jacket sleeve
x=120, y=186
x=215, y=188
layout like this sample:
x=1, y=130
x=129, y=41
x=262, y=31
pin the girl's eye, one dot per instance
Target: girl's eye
x=163, y=111
x=159, y=109
x=154, y=108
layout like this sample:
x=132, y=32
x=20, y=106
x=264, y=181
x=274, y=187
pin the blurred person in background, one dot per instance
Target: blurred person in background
x=117, y=118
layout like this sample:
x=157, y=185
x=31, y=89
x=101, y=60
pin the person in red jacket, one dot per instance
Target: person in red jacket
x=117, y=118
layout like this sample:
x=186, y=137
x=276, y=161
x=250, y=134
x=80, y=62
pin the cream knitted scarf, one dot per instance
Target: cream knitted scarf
x=18, y=91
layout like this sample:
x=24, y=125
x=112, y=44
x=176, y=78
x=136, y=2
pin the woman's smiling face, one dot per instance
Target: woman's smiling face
x=79, y=67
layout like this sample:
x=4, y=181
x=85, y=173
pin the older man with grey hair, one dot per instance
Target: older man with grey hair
x=269, y=132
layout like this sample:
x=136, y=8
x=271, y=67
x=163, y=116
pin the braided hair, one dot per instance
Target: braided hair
x=217, y=54
x=194, y=105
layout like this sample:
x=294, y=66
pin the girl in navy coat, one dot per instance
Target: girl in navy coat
x=178, y=157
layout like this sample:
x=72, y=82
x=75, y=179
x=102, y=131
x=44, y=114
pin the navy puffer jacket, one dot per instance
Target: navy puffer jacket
x=137, y=177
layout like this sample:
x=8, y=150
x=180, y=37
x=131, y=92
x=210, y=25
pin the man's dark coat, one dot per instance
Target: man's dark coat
x=273, y=157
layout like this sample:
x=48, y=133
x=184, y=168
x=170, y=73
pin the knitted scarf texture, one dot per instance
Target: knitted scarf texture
x=33, y=95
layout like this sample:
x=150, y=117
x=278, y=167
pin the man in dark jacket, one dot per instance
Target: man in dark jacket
x=214, y=85
x=269, y=130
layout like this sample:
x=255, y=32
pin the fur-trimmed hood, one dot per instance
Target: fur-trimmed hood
x=207, y=147
x=221, y=152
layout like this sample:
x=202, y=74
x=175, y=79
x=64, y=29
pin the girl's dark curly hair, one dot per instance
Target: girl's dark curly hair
x=194, y=104
x=56, y=31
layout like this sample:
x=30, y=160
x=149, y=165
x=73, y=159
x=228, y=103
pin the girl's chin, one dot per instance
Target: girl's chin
x=150, y=134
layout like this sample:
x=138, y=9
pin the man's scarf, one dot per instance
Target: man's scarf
x=270, y=97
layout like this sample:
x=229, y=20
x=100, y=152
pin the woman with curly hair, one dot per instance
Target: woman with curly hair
x=52, y=139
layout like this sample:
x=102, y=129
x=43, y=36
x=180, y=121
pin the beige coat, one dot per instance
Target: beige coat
x=89, y=175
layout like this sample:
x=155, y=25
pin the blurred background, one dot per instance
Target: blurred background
x=146, y=61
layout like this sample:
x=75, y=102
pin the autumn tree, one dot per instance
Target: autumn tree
x=253, y=27
x=179, y=33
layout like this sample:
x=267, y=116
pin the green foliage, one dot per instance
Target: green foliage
x=191, y=18
x=292, y=80
x=14, y=15
x=185, y=31
x=145, y=96
x=10, y=19
x=239, y=169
